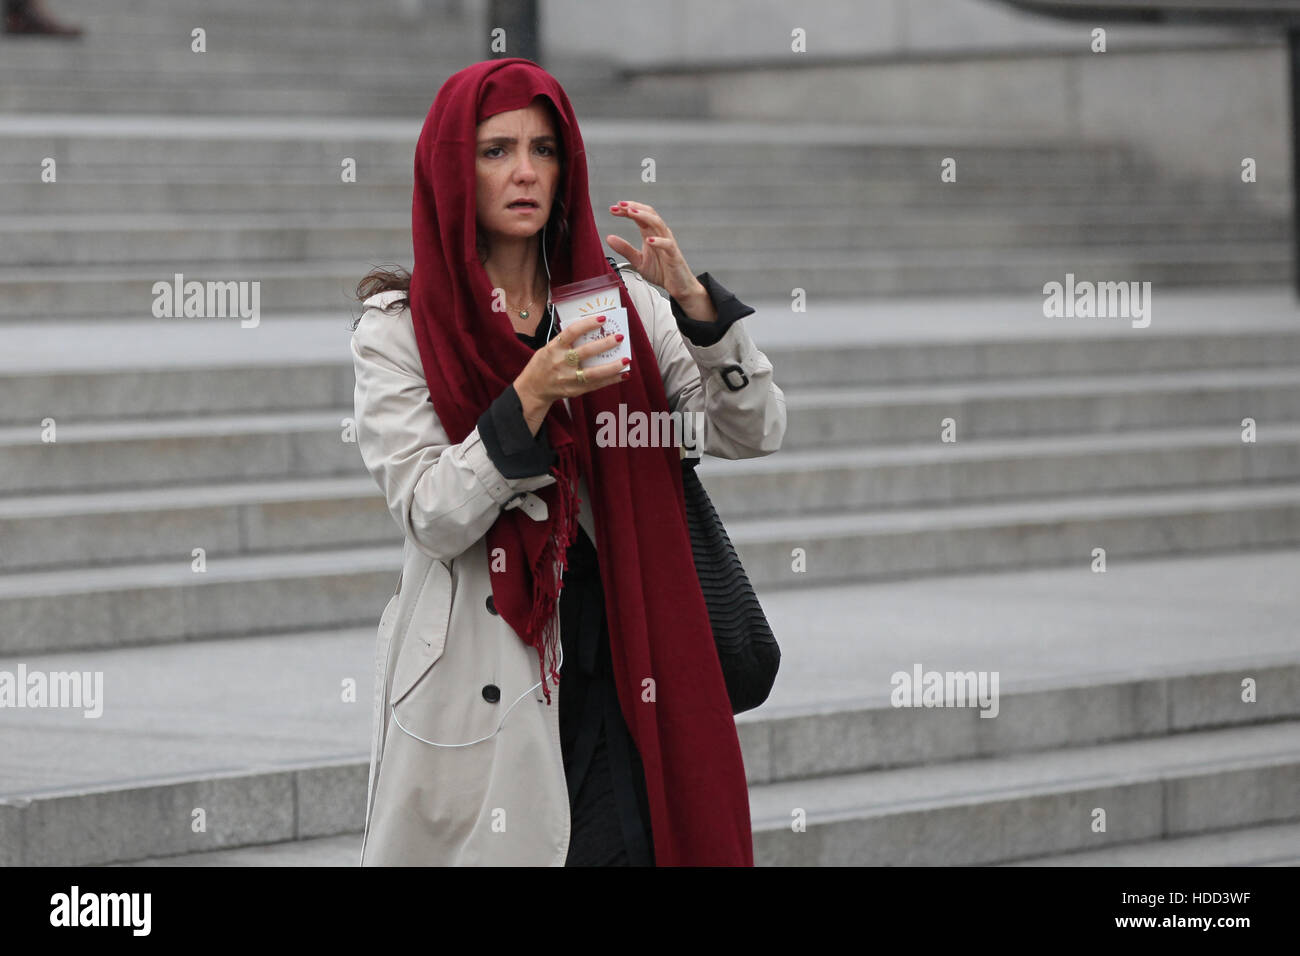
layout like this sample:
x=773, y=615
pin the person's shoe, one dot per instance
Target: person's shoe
x=38, y=24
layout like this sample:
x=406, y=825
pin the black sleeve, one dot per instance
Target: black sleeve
x=509, y=443
x=729, y=310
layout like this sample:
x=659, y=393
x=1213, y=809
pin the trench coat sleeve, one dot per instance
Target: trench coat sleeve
x=725, y=303
x=443, y=496
x=730, y=380
x=511, y=444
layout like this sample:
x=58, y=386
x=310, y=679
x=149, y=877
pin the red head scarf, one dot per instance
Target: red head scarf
x=666, y=668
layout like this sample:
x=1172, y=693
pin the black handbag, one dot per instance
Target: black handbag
x=747, y=648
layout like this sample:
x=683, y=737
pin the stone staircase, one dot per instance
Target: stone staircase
x=276, y=59
x=232, y=705
x=861, y=221
x=1121, y=690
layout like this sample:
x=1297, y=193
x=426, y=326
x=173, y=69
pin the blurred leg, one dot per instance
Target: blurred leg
x=596, y=838
x=30, y=18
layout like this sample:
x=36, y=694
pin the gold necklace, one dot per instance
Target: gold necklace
x=523, y=313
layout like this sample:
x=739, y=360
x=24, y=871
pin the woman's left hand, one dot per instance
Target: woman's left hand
x=660, y=260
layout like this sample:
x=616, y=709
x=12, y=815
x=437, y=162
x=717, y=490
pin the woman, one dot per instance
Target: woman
x=481, y=434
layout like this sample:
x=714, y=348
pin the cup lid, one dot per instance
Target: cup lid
x=574, y=290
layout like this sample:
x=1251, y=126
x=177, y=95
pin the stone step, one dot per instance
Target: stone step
x=243, y=160
x=175, y=389
x=1277, y=845
x=94, y=59
x=169, y=601
x=868, y=546
x=44, y=531
x=424, y=63
x=714, y=191
x=906, y=272
x=157, y=524
x=914, y=475
x=158, y=196
x=356, y=35
x=135, y=239
x=110, y=291
x=342, y=850
x=186, y=725
x=708, y=192
x=974, y=812
x=244, y=157
x=702, y=155
x=696, y=152
x=332, y=11
x=254, y=101
x=143, y=452
x=86, y=371
x=147, y=36
x=157, y=191
x=296, y=96
x=1041, y=406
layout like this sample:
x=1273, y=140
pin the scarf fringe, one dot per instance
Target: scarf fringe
x=548, y=574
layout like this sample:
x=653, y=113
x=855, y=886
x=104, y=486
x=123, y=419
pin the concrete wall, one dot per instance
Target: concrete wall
x=1196, y=98
x=738, y=31
x=1198, y=111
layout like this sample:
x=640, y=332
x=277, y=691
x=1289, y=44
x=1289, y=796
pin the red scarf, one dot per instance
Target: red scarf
x=658, y=623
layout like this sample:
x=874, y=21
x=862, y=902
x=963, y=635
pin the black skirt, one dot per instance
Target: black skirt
x=607, y=792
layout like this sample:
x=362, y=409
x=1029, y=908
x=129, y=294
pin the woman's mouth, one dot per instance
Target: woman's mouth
x=524, y=205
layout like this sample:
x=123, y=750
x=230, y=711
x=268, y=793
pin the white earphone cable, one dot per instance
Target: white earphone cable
x=550, y=307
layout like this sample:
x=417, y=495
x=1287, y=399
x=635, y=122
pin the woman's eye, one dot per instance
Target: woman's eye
x=492, y=152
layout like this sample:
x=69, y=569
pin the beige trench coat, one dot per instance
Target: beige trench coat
x=460, y=775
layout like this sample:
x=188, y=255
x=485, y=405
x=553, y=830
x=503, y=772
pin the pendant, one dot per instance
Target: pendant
x=523, y=314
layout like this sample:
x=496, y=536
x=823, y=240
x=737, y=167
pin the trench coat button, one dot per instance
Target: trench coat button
x=492, y=608
x=491, y=693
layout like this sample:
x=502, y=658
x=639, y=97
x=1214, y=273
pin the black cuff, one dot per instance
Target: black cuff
x=509, y=442
x=729, y=310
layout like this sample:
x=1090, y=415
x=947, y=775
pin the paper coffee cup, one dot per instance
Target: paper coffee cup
x=590, y=298
x=615, y=323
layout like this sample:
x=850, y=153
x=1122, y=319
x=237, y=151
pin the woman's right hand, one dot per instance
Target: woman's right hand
x=548, y=377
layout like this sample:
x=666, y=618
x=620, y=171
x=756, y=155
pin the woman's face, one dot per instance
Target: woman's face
x=517, y=157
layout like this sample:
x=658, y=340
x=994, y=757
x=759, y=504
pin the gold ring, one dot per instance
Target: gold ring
x=572, y=357
x=582, y=377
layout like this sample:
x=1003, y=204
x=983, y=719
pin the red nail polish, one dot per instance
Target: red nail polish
x=600, y=318
x=623, y=203
x=625, y=375
x=651, y=239
x=619, y=337
x=627, y=361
